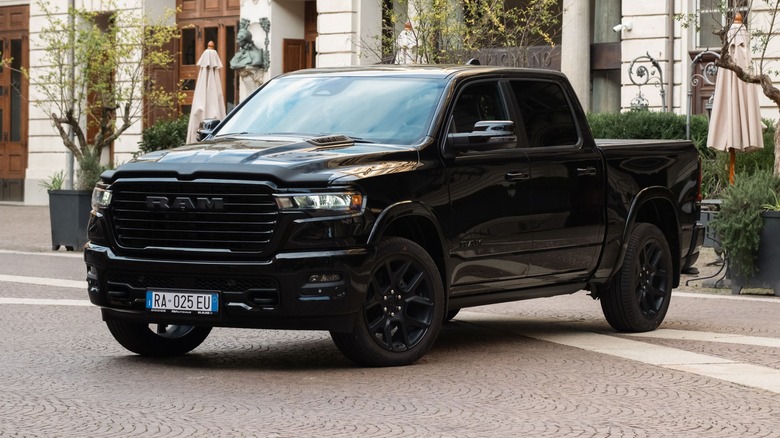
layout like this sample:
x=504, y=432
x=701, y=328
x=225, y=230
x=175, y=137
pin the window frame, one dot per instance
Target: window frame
x=519, y=120
x=705, y=29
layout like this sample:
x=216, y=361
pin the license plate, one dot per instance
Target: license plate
x=182, y=302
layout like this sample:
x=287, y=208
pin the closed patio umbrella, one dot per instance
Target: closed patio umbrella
x=735, y=124
x=208, y=101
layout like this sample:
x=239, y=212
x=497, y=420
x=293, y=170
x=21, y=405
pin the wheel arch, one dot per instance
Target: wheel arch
x=418, y=223
x=654, y=205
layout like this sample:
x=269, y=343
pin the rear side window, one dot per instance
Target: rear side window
x=546, y=113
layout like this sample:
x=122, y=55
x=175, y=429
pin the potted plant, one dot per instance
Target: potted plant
x=769, y=245
x=744, y=224
x=69, y=210
x=94, y=83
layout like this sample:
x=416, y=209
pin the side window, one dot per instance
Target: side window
x=546, y=114
x=476, y=103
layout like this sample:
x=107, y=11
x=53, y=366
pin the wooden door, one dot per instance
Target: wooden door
x=195, y=36
x=163, y=76
x=299, y=54
x=13, y=102
x=293, y=55
x=310, y=33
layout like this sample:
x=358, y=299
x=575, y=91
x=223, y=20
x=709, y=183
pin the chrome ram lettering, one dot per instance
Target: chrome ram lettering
x=184, y=203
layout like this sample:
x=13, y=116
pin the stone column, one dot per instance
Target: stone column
x=336, y=25
x=575, y=47
x=606, y=83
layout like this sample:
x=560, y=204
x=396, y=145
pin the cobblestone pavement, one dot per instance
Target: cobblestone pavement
x=63, y=375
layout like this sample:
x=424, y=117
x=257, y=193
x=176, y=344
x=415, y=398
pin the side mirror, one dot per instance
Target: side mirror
x=487, y=136
x=205, y=128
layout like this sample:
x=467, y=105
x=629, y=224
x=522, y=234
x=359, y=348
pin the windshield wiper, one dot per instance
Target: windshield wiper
x=232, y=134
x=336, y=140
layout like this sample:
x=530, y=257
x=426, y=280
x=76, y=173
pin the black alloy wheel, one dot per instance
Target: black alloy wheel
x=638, y=298
x=403, y=310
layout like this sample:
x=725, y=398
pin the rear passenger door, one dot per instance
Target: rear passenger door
x=567, y=185
x=489, y=233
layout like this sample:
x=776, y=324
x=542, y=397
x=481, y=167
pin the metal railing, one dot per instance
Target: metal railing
x=708, y=73
x=642, y=75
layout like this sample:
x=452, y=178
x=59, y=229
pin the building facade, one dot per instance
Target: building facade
x=600, y=41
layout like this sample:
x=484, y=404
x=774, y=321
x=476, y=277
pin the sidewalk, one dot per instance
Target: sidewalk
x=27, y=229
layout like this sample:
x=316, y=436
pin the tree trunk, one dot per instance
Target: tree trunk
x=777, y=148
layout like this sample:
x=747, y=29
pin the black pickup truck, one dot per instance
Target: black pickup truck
x=376, y=202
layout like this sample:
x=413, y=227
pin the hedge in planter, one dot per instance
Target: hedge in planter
x=164, y=134
x=739, y=222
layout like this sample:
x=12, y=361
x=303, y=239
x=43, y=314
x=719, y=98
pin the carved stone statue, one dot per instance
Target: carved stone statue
x=248, y=55
x=406, y=46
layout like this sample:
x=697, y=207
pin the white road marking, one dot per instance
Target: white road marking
x=762, y=299
x=42, y=281
x=44, y=302
x=71, y=254
x=726, y=338
x=754, y=376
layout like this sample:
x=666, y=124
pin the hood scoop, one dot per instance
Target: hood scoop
x=331, y=141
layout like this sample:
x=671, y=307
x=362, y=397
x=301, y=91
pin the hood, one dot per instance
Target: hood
x=274, y=158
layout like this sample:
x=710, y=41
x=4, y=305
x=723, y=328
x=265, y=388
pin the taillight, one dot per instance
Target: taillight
x=698, y=188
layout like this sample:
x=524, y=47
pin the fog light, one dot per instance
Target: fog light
x=324, y=278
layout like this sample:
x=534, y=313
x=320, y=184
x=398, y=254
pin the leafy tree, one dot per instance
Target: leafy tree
x=454, y=31
x=107, y=88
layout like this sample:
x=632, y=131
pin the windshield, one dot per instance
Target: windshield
x=377, y=109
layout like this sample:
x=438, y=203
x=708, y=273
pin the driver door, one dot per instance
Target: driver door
x=490, y=234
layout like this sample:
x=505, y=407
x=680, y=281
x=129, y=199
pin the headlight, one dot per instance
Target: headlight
x=346, y=203
x=101, y=197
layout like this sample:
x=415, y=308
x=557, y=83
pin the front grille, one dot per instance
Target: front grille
x=193, y=215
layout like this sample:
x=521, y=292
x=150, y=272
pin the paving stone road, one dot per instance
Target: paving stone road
x=547, y=367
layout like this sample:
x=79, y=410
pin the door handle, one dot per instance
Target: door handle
x=586, y=171
x=517, y=176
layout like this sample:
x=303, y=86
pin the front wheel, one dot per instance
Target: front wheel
x=158, y=340
x=403, y=310
x=638, y=297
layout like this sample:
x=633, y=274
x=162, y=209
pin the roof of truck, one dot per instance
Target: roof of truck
x=425, y=70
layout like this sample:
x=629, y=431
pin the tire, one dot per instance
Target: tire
x=639, y=295
x=403, y=310
x=165, y=340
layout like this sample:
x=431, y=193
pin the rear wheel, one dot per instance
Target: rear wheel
x=157, y=339
x=403, y=310
x=638, y=298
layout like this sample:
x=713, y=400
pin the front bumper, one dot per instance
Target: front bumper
x=276, y=293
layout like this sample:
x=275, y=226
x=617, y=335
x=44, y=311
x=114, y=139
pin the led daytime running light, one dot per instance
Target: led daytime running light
x=101, y=198
x=337, y=202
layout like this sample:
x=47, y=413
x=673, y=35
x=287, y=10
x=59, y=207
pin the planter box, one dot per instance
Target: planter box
x=768, y=263
x=69, y=215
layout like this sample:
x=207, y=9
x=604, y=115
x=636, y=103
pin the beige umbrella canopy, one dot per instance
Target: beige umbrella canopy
x=207, y=101
x=735, y=124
